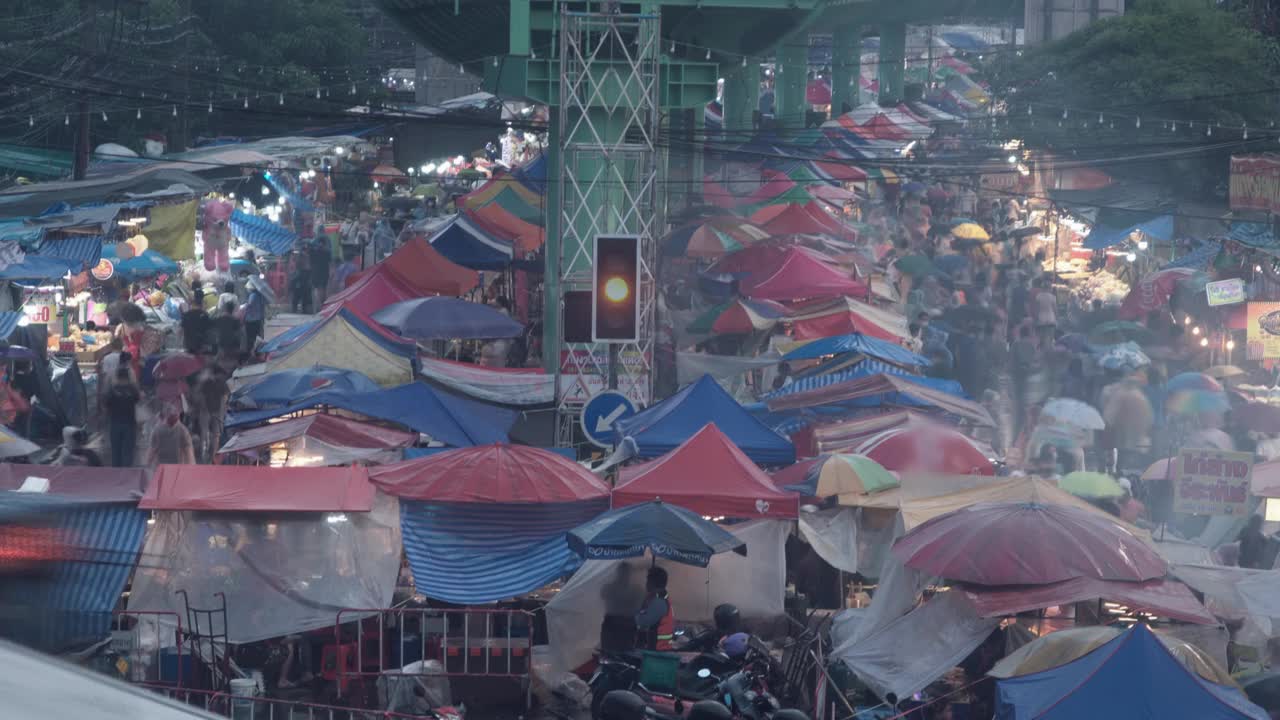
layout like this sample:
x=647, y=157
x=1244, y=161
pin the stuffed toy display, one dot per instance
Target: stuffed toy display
x=217, y=234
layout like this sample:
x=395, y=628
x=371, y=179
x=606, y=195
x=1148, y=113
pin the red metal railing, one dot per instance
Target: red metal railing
x=466, y=642
x=162, y=668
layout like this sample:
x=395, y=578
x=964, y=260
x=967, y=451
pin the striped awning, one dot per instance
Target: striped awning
x=264, y=235
x=85, y=249
x=9, y=323
x=470, y=554
x=87, y=550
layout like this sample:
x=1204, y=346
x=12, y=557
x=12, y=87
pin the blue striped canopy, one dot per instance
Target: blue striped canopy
x=262, y=234
x=74, y=601
x=86, y=249
x=857, y=343
x=467, y=554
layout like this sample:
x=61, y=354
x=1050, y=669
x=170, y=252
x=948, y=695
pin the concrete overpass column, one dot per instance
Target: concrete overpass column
x=790, y=83
x=741, y=97
x=846, y=67
x=893, y=50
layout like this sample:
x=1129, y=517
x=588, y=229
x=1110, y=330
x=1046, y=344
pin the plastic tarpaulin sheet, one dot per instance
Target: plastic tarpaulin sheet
x=887, y=385
x=258, y=489
x=506, y=386
x=81, y=482
x=728, y=370
x=447, y=418
x=1132, y=676
x=755, y=583
x=282, y=573
x=907, y=654
x=470, y=554
x=1220, y=586
x=88, y=550
x=171, y=230
x=330, y=429
x=1114, y=226
x=358, y=341
x=855, y=540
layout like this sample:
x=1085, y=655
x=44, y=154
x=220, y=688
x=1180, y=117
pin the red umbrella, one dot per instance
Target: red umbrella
x=491, y=474
x=177, y=366
x=1027, y=544
x=389, y=175
x=927, y=448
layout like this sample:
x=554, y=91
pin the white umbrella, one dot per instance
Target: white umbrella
x=1074, y=412
x=14, y=445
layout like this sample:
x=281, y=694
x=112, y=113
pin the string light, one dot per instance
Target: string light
x=744, y=61
x=317, y=93
x=104, y=116
x=280, y=100
x=66, y=119
x=708, y=53
x=1204, y=342
x=1209, y=130
x=495, y=61
x=139, y=114
x=1064, y=113
x=31, y=121
x=210, y=108
x=175, y=111
x=1100, y=121
x=1246, y=133
x=1138, y=123
x=673, y=47
x=1028, y=110
x=246, y=102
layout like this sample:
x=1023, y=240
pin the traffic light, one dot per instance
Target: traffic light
x=615, y=289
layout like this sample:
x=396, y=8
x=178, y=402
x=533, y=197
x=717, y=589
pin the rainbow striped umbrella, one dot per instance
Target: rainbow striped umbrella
x=712, y=238
x=741, y=316
x=837, y=474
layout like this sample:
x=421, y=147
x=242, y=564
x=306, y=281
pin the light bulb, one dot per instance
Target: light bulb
x=1257, y=268
x=744, y=61
x=1028, y=109
x=1231, y=344
x=1099, y=118
x=104, y=116
x=1131, y=257
x=1137, y=123
x=1186, y=320
x=175, y=111
x=266, y=190
x=317, y=93
x=66, y=119
x=339, y=150
x=1064, y=113
x=1204, y=342
x=139, y=115
x=1195, y=330
x=1012, y=159
x=210, y=108
x=1142, y=244
x=246, y=102
x=31, y=121
x=1209, y=131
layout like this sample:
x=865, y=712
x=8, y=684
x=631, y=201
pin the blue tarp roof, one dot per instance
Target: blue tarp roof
x=147, y=264
x=40, y=267
x=1255, y=235
x=264, y=235
x=76, y=599
x=377, y=335
x=1114, y=227
x=470, y=554
x=533, y=174
x=447, y=418
x=466, y=244
x=1133, y=676
x=664, y=426
x=857, y=343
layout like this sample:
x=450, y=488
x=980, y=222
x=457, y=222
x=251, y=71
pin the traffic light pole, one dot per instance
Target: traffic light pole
x=606, y=181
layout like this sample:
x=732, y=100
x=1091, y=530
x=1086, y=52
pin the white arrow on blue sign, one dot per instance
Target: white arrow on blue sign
x=601, y=413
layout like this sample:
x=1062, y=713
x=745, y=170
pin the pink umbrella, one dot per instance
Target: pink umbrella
x=177, y=366
x=1152, y=292
x=1027, y=544
x=928, y=447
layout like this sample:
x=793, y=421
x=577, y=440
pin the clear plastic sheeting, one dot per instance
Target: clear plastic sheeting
x=755, y=584
x=904, y=656
x=855, y=540
x=282, y=573
x=310, y=452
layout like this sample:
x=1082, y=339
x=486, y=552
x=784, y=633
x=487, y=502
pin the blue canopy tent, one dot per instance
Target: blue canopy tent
x=264, y=235
x=1132, y=676
x=1114, y=226
x=533, y=174
x=40, y=267
x=447, y=418
x=662, y=427
x=91, y=549
x=148, y=264
x=857, y=343
x=467, y=244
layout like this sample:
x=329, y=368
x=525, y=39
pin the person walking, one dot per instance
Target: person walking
x=122, y=419
x=170, y=443
x=254, y=312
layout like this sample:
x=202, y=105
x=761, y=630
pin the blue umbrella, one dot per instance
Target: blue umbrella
x=446, y=318
x=668, y=531
x=913, y=188
x=285, y=387
x=951, y=263
x=147, y=264
x=857, y=342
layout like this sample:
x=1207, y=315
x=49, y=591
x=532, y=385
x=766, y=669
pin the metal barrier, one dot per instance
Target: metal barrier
x=161, y=667
x=241, y=707
x=467, y=643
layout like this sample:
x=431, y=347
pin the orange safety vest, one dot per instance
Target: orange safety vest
x=666, y=629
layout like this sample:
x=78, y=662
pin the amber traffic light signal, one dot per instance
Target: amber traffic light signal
x=615, y=306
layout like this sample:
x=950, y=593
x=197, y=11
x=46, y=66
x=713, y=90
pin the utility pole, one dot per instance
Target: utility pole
x=184, y=128
x=928, y=83
x=80, y=156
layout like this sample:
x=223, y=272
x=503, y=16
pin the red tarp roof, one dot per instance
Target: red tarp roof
x=330, y=429
x=491, y=474
x=424, y=270
x=796, y=219
x=801, y=275
x=844, y=316
x=256, y=488
x=841, y=172
x=87, y=483
x=709, y=475
x=1166, y=598
x=714, y=193
x=882, y=383
x=761, y=257
x=374, y=290
x=524, y=236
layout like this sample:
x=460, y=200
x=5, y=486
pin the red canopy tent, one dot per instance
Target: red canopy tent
x=846, y=435
x=801, y=275
x=762, y=257
x=844, y=316
x=257, y=488
x=773, y=185
x=936, y=449
x=491, y=474
x=838, y=171
x=423, y=270
x=796, y=219
x=373, y=291
x=331, y=429
x=709, y=475
x=106, y=484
